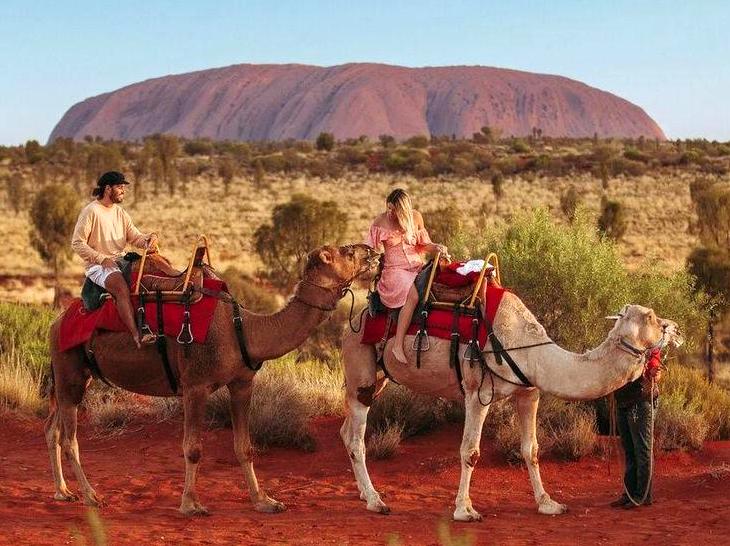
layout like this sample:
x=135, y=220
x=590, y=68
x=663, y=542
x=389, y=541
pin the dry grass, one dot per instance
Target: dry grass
x=659, y=209
x=383, y=443
x=20, y=383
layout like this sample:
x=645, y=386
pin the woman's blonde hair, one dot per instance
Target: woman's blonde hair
x=403, y=210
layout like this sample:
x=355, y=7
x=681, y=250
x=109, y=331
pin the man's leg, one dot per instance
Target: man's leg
x=404, y=321
x=116, y=285
x=643, y=443
x=624, y=431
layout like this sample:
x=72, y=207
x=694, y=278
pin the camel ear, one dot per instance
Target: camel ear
x=613, y=317
x=325, y=256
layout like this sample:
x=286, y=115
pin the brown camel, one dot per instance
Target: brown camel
x=217, y=362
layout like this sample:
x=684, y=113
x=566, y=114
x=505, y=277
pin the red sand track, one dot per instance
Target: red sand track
x=140, y=476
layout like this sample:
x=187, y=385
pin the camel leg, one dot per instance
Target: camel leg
x=69, y=417
x=362, y=387
x=240, y=403
x=194, y=407
x=473, y=423
x=352, y=433
x=526, y=404
x=53, y=440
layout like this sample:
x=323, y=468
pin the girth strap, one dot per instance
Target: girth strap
x=161, y=343
x=499, y=353
x=454, y=347
x=238, y=327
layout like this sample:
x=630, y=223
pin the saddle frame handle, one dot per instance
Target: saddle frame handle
x=482, y=273
x=201, y=238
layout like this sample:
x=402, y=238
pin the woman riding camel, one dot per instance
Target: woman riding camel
x=403, y=237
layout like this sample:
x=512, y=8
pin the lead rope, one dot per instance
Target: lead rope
x=613, y=429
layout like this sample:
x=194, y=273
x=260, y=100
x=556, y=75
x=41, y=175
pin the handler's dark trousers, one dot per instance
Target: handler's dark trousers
x=634, y=427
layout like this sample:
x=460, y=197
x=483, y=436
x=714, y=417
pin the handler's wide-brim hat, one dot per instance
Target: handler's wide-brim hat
x=111, y=178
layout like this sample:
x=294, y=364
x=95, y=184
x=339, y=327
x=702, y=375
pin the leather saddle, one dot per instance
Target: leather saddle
x=175, y=286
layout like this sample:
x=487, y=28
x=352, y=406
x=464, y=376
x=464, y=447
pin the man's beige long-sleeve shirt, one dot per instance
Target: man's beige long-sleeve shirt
x=103, y=232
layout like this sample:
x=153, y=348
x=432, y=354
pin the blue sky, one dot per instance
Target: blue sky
x=670, y=57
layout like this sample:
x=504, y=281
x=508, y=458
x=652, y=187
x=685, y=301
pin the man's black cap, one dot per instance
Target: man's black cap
x=111, y=178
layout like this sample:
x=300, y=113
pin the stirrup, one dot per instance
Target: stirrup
x=426, y=345
x=470, y=353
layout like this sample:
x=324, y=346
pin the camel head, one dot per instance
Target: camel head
x=639, y=331
x=337, y=267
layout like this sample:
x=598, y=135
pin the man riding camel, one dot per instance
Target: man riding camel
x=102, y=232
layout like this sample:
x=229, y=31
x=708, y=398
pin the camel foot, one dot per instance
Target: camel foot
x=65, y=495
x=467, y=513
x=549, y=507
x=378, y=506
x=194, y=509
x=269, y=506
x=93, y=500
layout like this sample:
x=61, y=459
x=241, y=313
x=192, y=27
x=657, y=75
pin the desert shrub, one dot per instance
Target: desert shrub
x=252, y=295
x=566, y=430
x=198, y=147
x=296, y=228
x=325, y=141
x=571, y=278
x=415, y=413
x=14, y=185
x=613, y=220
x=678, y=426
x=111, y=410
x=418, y=141
x=688, y=389
x=383, y=443
x=21, y=382
x=443, y=224
x=711, y=200
x=569, y=202
x=519, y=146
x=635, y=155
x=286, y=395
x=24, y=329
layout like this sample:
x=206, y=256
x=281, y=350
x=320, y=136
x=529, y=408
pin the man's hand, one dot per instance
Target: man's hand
x=109, y=262
x=152, y=242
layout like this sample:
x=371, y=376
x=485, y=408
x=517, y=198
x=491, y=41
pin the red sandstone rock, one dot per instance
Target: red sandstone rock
x=275, y=102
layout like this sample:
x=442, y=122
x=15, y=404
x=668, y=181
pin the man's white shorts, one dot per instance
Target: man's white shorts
x=98, y=274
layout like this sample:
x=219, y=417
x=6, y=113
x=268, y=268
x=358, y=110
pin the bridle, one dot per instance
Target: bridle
x=638, y=352
x=336, y=292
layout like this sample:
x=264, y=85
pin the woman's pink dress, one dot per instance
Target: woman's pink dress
x=402, y=262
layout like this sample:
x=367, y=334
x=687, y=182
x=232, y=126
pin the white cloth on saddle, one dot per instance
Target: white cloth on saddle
x=472, y=266
x=98, y=274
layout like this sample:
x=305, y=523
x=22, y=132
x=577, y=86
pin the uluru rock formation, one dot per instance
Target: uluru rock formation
x=276, y=102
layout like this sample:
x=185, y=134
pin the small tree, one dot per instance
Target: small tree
x=325, y=141
x=14, y=185
x=386, y=141
x=296, y=228
x=569, y=202
x=443, y=224
x=226, y=170
x=33, y=152
x=53, y=216
x=613, y=221
x=259, y=174
x=498, y=185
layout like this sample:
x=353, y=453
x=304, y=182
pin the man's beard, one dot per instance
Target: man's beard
x=117, y=198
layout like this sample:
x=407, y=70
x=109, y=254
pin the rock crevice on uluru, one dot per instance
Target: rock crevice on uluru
x=276, y=102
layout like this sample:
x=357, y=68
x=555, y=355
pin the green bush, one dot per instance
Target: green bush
x=26, y=327
x=571, y=278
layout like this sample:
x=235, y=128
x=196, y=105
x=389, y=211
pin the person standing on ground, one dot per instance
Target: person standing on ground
x=636, y=404
x=102, y=232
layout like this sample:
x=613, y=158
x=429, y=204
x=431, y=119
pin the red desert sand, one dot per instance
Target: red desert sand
x=138, y=473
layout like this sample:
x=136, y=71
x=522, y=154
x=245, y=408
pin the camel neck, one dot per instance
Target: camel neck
x=586, y=376
x=272, y=336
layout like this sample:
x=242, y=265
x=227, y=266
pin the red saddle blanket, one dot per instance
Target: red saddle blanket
x=78, y=324
x=439, y=323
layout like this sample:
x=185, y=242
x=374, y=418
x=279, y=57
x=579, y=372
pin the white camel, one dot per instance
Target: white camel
x=615, y=362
